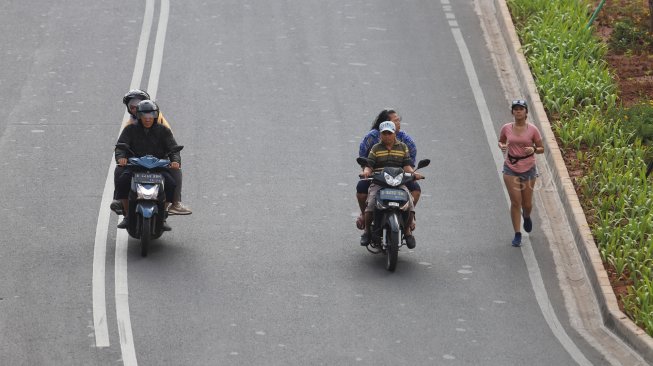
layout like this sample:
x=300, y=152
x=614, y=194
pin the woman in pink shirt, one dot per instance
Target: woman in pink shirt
x=522, y=141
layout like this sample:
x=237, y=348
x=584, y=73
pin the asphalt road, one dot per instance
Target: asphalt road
x=271, y=100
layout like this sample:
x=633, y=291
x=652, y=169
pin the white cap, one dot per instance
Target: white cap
x=387, y=126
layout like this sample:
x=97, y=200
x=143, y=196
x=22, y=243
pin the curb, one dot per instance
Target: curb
x=613, y=317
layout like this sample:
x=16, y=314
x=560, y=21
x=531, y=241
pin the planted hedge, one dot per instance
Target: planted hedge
x=580, y=96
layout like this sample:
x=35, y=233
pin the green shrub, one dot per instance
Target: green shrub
x=639, y=120
x=627, y=36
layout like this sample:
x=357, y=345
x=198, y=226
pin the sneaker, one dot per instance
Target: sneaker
x=116, y=206
x=365, y=239
x=528, y=224
x=516, y=242
x=166, y=227
x=410, y=241
x=123, y=223
x=179, y=209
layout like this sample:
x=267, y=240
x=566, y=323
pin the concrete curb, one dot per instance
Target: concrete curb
x=613, y=318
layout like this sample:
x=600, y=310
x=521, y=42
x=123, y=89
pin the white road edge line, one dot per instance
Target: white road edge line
x=534, y=273
x=157, y=58
x=122, y=301
x=100, y=247
x=122, y=288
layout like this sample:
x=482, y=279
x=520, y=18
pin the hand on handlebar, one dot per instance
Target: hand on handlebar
x=174, y=165
x=122, y=161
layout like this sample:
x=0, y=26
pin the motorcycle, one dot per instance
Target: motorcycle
x=390, y=211
x=146, y=209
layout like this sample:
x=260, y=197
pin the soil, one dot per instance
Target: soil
x=633, y=70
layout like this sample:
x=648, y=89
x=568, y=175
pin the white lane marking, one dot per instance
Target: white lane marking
x=122, y=294
x=100, y=247
x=157, y=58
x=527, y=251
x=99, y=263
x=122, y=301
x=143, y=42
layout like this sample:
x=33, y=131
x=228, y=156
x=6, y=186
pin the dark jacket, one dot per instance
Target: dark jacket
x=156, y=140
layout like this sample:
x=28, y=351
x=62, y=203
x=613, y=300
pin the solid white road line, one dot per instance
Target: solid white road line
x=99, y=264
x=122, y=301
x=527, y=251
x=157, y=58
x=122, y=289
x=100, y=248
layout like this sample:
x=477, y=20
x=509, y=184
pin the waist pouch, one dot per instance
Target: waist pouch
x=514, y=159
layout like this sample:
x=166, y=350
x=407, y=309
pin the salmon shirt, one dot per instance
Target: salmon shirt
x=517, y=144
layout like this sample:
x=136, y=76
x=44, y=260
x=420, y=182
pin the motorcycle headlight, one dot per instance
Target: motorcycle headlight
x=393, y=181
x=147, y=192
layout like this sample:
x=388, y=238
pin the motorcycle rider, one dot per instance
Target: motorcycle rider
x=145, y=138
x=131, y=100
x=391, y=153
x=370, y=139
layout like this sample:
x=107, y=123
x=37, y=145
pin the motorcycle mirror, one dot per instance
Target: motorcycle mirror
x=423, y=163
x=363, y=161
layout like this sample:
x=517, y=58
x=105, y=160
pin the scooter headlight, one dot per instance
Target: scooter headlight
x=393, y=181
x=147, y=192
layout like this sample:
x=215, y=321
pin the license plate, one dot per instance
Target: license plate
x=393, y=195
x=148, y=178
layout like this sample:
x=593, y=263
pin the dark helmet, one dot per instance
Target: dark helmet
x=518, y=103
x=147, y=106
x=135, y=93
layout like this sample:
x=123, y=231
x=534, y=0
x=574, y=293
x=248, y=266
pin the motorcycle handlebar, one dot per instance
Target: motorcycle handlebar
x=370, y=178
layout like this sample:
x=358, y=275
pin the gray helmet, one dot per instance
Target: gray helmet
x=147, y=106
x=135, y=93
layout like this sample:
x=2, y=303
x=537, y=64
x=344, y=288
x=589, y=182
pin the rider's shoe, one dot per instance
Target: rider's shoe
x=123, y=223
x=179, y=209
x=528, y=224
x=116, y=206
x=516, y=242
x=410, y=241
x=166, y=227
x=365, y=239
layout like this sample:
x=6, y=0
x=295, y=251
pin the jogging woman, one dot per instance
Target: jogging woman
x=521, y=140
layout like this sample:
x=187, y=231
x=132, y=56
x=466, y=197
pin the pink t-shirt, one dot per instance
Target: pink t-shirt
x=517, y=145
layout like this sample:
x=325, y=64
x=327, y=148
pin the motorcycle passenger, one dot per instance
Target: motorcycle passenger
x=145, y=138
x=390, y=152
x=131, y=100
x=374, y=137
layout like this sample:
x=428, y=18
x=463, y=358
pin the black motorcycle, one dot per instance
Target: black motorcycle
x=146, y=210
x=390, y=211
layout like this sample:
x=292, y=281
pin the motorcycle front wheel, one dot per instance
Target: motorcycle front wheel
x=392, y=251
x=146, y=235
